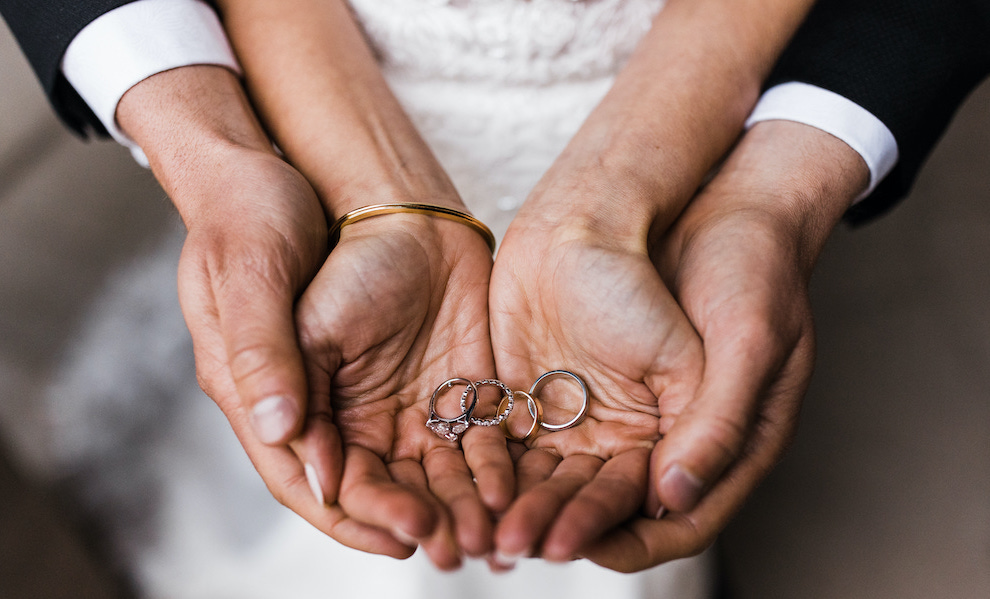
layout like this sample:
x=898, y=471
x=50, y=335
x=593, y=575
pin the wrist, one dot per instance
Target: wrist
x=671, y=114
x=813, y=173
x=592, y=204
x=795, y=179
x=186, y=119
x=326, y=104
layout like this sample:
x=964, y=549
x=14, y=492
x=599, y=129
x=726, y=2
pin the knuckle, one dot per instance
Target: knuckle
x=279, y=488
x=250, y=360
x=701, y=538
x=760, y=336
x=724, y=436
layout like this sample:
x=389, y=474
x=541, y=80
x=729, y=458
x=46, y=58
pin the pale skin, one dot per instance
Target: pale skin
x=402, y=303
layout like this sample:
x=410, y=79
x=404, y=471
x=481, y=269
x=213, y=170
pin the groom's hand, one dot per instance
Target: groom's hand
x=256, y=236
x=738, y=261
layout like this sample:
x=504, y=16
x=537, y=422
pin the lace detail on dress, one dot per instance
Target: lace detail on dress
x=510, y=41
x=498, y=87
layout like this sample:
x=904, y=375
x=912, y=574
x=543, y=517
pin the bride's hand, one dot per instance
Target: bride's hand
x=574, y=282
x=400, y=306
x=575, y=296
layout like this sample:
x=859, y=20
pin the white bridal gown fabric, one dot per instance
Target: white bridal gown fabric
x=497, y=88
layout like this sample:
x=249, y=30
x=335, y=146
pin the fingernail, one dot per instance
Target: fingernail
x=506, y=560
x=682, y=488
x=273, y=418
x=404, y=538
x=496, y=567
x=314, y=483
x=661, y=513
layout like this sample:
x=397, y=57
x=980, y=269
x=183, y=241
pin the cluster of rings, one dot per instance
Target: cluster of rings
x=452, y=428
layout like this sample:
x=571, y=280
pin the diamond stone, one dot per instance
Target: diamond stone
x=450, y=431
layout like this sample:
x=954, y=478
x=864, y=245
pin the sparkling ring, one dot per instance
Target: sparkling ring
x=503, y=412
x=584, y=401
x=535, y=410
x=451, y=429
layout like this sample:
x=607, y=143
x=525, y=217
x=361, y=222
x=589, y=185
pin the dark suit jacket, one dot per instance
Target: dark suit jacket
x=909, y=62
x=43, y=29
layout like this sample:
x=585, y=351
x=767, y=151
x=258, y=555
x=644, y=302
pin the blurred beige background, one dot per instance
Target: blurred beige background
x=886, y=492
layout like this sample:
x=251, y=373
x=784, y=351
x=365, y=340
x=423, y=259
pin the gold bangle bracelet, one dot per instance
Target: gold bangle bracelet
x=412, y=208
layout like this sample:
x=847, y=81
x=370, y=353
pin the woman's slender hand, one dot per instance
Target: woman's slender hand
x=400, y=306
x=584, y=300
x=738, y=261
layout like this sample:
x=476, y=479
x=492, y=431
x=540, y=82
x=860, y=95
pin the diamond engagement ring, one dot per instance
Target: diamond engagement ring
x=451, y=429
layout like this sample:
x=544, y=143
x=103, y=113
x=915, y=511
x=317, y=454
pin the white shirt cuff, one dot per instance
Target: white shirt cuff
x=834, y=114
x=135, y=41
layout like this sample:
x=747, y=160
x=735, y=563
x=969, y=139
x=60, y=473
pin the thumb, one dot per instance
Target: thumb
x=258, y=329
x=711, y=432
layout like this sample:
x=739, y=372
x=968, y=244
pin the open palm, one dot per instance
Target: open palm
x=399, y=307
x=570, y=300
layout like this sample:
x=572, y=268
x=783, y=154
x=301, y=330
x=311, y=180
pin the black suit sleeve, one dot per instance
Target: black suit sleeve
x=909, y=62
x=43, y=29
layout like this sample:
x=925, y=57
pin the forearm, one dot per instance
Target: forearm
x=786, y=185
x=679, y=103
x=322, y=96
x=188, y=121
x=793, y=177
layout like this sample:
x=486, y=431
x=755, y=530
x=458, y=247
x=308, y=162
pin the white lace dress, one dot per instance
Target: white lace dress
x=497, y=88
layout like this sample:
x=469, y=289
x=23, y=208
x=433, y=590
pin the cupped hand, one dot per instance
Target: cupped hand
x=737, y=282
x=399, y=307
x=256, y=236
x=573, y=297
x=739, y=261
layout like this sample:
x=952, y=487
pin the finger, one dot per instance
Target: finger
x=613, y=495
x=487, y=455
x=522, y=527
x=320, y=447
x=282, y=470
x=254, y=300
x=533, y=467
x=369, y=494
x=451, y=482
x=288, y=482
x=441, y=545
x=709, y=433
x=319, y=450
x=647, y=542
